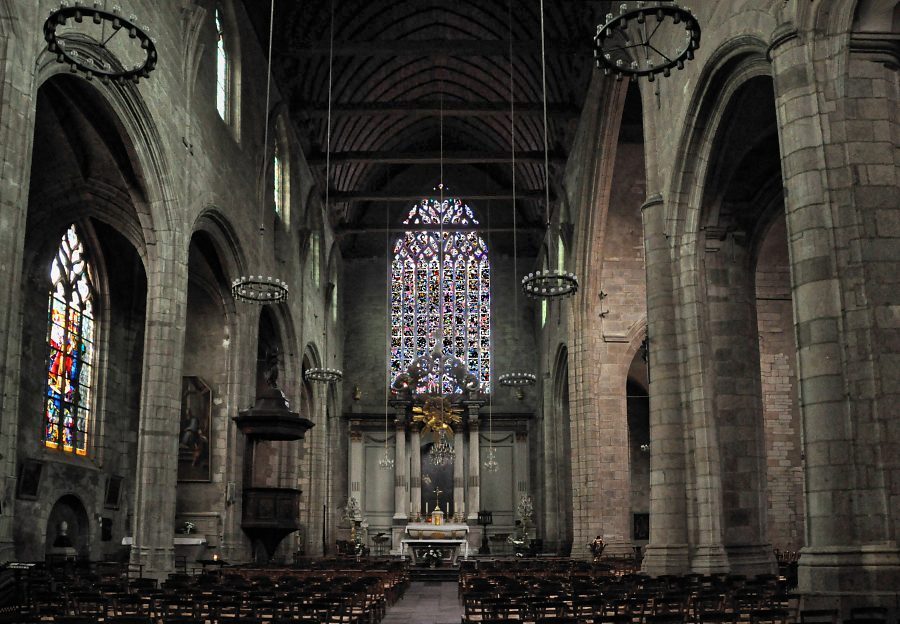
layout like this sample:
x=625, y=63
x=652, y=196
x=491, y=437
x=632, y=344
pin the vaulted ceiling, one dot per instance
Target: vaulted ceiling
x=418, y=83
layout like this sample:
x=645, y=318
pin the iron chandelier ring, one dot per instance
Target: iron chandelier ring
x=550, y=284
x=619, y=67
x=59, y=45
x=259, y=289
x=516, y=379
x=323, y=375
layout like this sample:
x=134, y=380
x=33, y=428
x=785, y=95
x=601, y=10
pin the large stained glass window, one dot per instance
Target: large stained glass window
x=416, y=296
x=70, y=339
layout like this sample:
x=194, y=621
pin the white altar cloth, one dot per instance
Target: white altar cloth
x=426, y=530
x=450, y=548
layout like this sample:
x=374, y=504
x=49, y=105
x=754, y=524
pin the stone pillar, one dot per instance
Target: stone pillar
x=415, y=471
x=157, y=461
x=316, y=444
x=838, y=137
x=521, y=463
x=401, y=468
x=667, y=551
x=459, y=464
x=16, y=141
x=356, y=467
x=473, y=503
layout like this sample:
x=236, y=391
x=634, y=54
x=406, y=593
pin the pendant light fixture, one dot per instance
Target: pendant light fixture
x=325, y=374
x=625, y=44
x=94, y=47
x=262, y=289
x=514, y=378
x=548, y=283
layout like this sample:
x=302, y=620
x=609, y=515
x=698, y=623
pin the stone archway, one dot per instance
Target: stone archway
x=68, y=526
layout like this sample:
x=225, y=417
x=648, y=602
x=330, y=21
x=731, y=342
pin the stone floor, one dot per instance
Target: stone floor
x=426, y=603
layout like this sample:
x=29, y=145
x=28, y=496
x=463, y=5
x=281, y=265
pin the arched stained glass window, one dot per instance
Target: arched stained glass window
x=221, y=69
x=72, y=356
x=416, y=291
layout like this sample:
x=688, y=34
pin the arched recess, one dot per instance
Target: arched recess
x=68, y=527
x=209, y=385
x=83, y=172
x=741, y=189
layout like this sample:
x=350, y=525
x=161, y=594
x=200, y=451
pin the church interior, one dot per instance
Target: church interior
x=587, y=308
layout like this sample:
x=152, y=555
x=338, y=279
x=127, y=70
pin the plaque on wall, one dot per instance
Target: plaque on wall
x=194, y=435
x=113, y=491
x=29, y=479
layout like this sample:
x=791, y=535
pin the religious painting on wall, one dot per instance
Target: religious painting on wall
x=194, y=435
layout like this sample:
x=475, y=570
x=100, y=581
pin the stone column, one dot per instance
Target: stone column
x=838, y=137
x=157, y=461
x=473, y=504
x=415, y=474
x=667, y=551
x=356, y=466
x=401, y=465
x=459, y=479
x=316, y=444
x=520, y=461
x=16, y=140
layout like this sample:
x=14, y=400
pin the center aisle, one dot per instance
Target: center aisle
x=426, y=603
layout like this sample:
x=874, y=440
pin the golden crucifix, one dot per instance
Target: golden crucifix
x=437, y=498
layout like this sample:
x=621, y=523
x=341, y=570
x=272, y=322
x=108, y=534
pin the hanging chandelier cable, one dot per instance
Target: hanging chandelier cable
x=386, y=462
x=258, y=288
x=514, y=378
x=326, y=374
x=548, y=284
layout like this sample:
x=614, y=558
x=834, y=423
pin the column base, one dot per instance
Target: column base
x=844, y=577
x=158, y=561
x=710, y=559
x=752, y=559
x=665, y=559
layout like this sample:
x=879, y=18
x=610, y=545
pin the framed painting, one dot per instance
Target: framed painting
x=29, y=479
x=113, y=491
x=194, y=433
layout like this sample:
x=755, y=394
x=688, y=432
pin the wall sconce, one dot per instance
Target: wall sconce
x=357, y=393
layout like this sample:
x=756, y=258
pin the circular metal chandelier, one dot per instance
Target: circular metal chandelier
x=259, y=289
x=323, y=375
x=639, y=40
x=93, y=47
x=517, y=379
x=550, y=284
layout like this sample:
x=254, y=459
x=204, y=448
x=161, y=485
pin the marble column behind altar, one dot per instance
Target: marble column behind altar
x=391, y=498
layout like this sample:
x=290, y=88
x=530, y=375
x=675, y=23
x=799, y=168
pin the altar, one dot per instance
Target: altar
x=447, y=539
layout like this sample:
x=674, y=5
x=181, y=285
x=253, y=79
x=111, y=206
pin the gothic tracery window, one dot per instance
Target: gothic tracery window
x=278, y=175
x=221, y=68
x=70, y=338
x=417, y=294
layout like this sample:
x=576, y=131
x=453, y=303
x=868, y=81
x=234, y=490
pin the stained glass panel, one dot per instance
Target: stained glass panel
x=221, y=69
x=70, y=339
x=417, y=299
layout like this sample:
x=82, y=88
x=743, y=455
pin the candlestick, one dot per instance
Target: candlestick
x=426, y=509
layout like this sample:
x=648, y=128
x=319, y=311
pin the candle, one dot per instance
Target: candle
x=426, y=509
x=448, y=508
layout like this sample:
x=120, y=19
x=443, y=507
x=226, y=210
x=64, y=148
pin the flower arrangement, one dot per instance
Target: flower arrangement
x=186, y=527
x=432, y=557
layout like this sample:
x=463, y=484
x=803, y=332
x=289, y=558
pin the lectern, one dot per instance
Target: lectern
x=484, y=519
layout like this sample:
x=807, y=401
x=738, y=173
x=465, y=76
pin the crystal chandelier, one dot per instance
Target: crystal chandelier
x=490, y=461
x=386, y=462
x=442, y=451
x=258, y=288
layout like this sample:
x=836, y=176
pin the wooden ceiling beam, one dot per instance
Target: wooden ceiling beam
x=434, y=158
x=340, y=197
x=434, y=109
x=437, y=47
